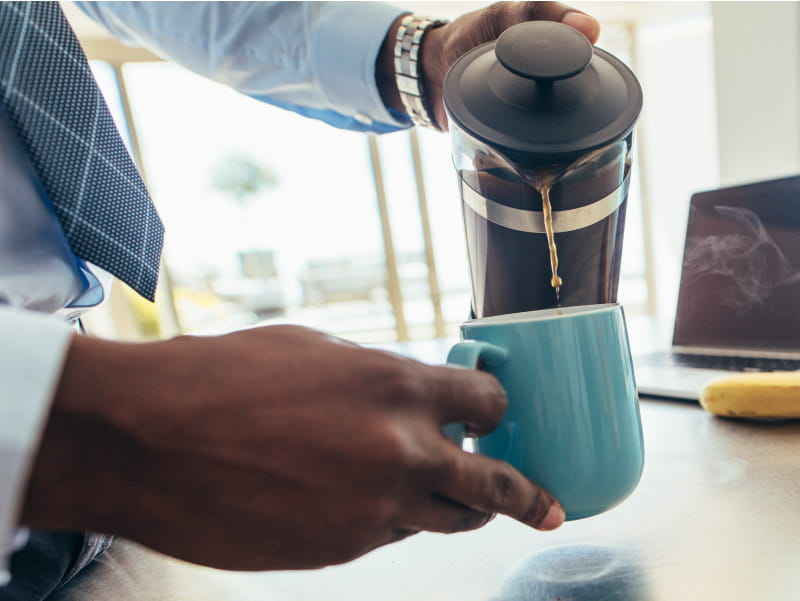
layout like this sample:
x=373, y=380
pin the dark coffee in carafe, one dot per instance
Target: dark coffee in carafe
x=526, y=131
x=511, y=260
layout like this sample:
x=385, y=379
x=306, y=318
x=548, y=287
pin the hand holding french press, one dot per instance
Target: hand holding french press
x=442, y=46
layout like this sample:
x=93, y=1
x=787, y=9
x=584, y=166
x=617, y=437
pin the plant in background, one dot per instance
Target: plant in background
x=241, y=177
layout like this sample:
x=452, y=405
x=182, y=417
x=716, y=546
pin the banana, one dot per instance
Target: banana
x=754, y=395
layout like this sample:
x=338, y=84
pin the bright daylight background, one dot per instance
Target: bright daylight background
x=272, y=217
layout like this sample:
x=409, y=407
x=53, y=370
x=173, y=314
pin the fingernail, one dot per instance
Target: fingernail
x=553, y=519
x=587, y=25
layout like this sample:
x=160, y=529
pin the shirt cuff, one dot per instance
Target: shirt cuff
x=31, y=357
x=345, y=48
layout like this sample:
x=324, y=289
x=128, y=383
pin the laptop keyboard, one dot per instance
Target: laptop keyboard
x=726, y=363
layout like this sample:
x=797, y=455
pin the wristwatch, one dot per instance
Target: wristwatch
x=406, y=67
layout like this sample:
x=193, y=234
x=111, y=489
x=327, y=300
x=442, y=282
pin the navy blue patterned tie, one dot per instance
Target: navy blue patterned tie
x=52, y=99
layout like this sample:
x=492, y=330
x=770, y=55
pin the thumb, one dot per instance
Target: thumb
x=584, y=23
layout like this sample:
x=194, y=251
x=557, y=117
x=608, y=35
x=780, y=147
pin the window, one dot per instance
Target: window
x=272, y=217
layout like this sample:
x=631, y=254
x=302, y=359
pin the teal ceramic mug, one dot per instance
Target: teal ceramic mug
x=572, y=425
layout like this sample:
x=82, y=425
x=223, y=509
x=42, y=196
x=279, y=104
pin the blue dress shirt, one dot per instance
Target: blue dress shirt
x=314, y=58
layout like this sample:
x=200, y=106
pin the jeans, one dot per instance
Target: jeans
x=48, y=561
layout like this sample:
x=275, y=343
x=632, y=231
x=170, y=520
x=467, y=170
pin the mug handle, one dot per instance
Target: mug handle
x=471, y=354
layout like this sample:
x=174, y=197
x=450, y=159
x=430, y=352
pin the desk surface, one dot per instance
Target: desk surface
x=716, y=517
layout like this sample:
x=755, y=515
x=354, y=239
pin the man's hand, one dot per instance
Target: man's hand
x=272, y=448
x=443, y=45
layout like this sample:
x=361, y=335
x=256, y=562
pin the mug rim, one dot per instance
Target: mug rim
x=542, y=315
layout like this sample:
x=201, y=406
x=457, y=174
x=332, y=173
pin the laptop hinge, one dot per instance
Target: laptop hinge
x=727, y=352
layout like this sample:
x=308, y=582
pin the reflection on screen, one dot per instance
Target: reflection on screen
x=740, y=281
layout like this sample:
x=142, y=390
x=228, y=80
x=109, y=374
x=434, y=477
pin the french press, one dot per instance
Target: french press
x=541, y=127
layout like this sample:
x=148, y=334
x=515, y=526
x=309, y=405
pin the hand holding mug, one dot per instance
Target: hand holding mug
x=276, y=447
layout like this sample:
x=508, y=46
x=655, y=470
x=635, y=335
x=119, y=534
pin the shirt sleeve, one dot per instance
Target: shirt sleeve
x=32, y=353
x=314, y=58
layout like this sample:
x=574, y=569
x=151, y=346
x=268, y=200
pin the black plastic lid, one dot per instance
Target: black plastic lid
x=542, y=92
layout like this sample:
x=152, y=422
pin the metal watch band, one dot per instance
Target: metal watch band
x=406, y=67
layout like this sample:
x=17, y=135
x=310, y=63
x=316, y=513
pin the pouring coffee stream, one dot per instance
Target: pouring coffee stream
x=543, y=181
x=547, y=209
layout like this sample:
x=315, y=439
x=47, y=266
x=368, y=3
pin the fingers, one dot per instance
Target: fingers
x=587, y=25
x=438, y=514
x=502, y=15
x=467, y=396
x=492, y=486
x=561, y=13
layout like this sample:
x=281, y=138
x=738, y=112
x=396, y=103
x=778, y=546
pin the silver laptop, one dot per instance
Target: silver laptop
x=739, y=299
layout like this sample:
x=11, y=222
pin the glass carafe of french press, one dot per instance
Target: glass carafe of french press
x=541, y=125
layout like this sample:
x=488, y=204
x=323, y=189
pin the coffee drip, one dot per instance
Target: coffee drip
x=547, y=211
x=543, y=180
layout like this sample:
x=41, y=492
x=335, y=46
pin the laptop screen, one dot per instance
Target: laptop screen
x=740, y=279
